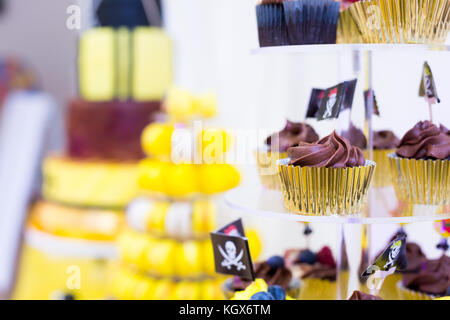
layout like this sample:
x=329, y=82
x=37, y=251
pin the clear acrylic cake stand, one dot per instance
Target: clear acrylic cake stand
x=252, y=198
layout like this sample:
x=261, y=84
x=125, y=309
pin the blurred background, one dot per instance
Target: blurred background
x=212, y=51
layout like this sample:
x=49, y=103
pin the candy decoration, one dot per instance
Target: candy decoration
x=277, y=292
x=307, y=256
x=325, y=256
x=276, y=262
x=443, y=227
x=262, y=296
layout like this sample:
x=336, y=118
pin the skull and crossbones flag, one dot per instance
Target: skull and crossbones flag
x=314, y=102
x=349, y=93
x=393, y=258
x=330, y=106
x=231, y=251
x=427, y=86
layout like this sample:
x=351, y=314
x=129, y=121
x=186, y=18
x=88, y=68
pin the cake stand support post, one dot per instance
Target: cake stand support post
x=366, y=228
x=341, y=282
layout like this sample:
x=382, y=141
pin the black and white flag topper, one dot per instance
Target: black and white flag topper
x=427, y=86
x=376, y=109
x=314, y=102
x=231, y=251
x=393, y=258
x=330, y=106
x=349, y=93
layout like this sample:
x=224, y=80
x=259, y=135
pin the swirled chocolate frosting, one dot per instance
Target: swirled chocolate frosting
x=333, y=151
x=317, y=271
x=414, y=257
x=272, y=276
x=444, y=129
x=384, y=139
x=424, y=141
x=291, y=135
x=433, y=278
x=355, y=136
x=358, y=295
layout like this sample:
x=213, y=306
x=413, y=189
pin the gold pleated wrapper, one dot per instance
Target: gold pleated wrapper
x=325, y=191
x=347, y=29
x=388, y=290
x=421, y=181
x=402, y=21
x=382, y=177
x=318, y=289
x=407, y=294
x=267, y=168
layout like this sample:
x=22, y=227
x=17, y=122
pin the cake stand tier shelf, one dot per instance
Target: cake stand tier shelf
x=330, y=48
x=255, y=199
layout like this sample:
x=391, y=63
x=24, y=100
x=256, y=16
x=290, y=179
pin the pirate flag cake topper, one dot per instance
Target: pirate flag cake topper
x=367, y=96
x=427, y=86
x=314, y=102
x=330, y=106
x=349, y=93
x=231, y=251
x=393, y=257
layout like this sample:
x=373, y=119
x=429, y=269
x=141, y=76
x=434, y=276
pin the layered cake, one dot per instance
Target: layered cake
x=123, y=76
x=165, y=251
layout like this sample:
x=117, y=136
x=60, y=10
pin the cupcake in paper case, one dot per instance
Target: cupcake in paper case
x=329, y=177
x=260, y=290
x=355, y=136
x=420, y=166
x=317, y=273
x=273, y=271
x=310, y=21
x=272, y=30
x=276, y=148
x=432, y=281
x=384, y=143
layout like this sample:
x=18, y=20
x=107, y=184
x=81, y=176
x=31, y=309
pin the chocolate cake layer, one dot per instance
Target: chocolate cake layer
x=108, y=130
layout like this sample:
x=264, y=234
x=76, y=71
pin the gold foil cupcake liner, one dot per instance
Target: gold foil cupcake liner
x=388, y=290
x=347, y=29
x=382, y=177
x=318, y=289
x=402, y=21
x=407, y=294
x=424, y=182
x=268, y=169
x=325, y=191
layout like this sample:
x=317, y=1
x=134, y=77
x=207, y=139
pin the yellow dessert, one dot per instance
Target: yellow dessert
x=89, y=183
x=72, y=222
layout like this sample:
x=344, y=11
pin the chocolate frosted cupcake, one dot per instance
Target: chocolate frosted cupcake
x=317, y=273
x=272, y=30
x=433, y=280
x=358, y=295
x=273, y=272
x=292, y=134
x=384, y=143
x=325, y=178
x=420, y=165
x=355, y=136
x=276, y=146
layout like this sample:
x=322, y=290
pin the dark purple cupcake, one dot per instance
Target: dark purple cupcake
x=311, y=21
x=272, y=30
